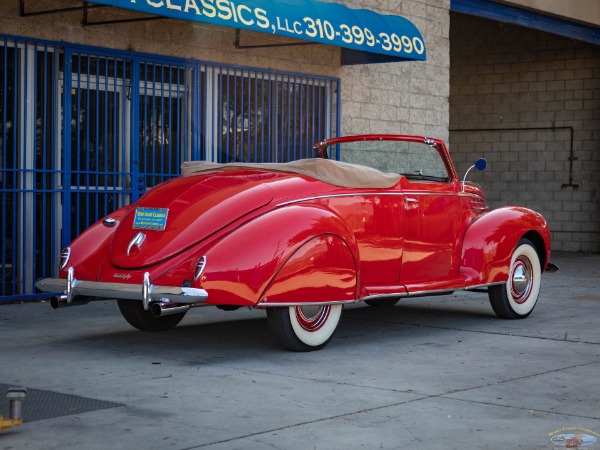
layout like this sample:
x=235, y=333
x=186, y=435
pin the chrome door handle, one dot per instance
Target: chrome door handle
x=410, y=204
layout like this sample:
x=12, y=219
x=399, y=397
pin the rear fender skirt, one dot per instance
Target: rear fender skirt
x=323, y=270
x=490, y=240
x=243, y=264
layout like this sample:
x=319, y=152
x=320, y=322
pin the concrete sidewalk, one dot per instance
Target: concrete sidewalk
x=431, y=373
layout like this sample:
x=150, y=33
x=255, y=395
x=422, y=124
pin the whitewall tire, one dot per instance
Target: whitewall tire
x=518, y=296
x=304, y=328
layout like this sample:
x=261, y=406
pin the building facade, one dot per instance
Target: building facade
x=97, y=104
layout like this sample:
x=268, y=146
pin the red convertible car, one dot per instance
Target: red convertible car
x=304, y=238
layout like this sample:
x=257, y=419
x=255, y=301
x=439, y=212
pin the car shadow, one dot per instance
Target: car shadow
x=198, y=338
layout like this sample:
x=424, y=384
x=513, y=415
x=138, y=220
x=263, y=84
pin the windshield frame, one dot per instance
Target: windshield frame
x=322, y=147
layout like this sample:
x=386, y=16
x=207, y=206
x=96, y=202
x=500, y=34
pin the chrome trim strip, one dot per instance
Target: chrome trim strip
x=436, y=291
x=319, y=197
x=264, y=303
x=376, y=296
x=371, y=194
x=146, y=292
x=430, y=194
x=479, y=286
x=469, y=194
x=424, y=293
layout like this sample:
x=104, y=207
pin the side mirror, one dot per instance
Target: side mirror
x=480, y=165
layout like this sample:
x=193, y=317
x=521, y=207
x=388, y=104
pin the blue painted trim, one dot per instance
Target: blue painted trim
x=510, y=14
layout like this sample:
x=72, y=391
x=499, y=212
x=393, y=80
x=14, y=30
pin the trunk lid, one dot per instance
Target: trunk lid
x=190, y=209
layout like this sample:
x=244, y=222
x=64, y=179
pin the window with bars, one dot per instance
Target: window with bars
x=264, y=117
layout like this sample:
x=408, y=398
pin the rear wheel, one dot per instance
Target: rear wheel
x=135, y=314
x=304, y=328
x=517, y=297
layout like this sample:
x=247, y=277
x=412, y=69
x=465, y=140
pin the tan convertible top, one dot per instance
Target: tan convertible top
x=328, y=171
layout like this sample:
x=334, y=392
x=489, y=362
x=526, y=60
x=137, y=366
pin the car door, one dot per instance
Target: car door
x=376, y=222
x=431, y=207
x=430, y=232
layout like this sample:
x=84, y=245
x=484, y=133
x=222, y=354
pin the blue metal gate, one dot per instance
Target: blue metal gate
x=84, y=131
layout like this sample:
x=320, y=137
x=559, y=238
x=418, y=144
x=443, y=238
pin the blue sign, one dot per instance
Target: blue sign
x=150, y=219
x=326, y=23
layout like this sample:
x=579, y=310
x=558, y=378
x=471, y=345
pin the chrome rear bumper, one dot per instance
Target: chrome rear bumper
x=146, y=292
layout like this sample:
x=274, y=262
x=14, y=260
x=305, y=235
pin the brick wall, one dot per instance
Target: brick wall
x=542, y=90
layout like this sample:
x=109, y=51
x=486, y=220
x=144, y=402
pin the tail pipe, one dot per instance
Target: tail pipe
x=161, y=310
x=61, y=301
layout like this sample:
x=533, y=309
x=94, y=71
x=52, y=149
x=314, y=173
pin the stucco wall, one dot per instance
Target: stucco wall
x=406, y=97
x=587, y=11
x=538, y=87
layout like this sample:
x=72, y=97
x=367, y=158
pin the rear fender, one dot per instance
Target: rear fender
x=322, y=270
x=241, y=266
x=490, y=240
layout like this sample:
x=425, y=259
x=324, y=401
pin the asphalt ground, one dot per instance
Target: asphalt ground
x=430, y=373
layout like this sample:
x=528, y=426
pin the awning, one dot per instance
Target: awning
x=526, y=18
x=367, y=36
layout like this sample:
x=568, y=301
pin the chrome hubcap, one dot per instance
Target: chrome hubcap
x=521, y=280
x=311, y=318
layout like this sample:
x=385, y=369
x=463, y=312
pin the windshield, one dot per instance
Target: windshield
x=411, y=159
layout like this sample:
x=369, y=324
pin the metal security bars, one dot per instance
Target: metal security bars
x=28, y=178
x=85, y=131
x=94, y=161
x=270, y=117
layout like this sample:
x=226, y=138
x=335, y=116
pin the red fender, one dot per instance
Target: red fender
x=89, y=249
x=322, y=270
x=490, y=240
x=241, y=266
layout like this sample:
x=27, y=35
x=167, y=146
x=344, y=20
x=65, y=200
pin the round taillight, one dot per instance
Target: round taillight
x=200, y=266
x=64, y=257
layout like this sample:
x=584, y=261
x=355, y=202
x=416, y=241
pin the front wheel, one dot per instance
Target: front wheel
x=135, y=314
x=517, y=298
x=304, y=328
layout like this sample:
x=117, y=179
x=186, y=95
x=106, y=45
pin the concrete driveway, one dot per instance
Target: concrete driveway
x=431, y=373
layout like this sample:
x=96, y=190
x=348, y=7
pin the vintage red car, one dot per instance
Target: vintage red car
x=304, y=238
